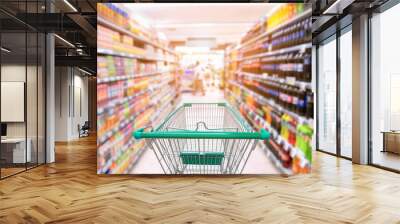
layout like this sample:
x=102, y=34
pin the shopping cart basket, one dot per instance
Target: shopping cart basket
x=201, y=138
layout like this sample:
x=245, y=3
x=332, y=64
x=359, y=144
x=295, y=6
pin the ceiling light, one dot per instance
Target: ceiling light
x=64, y=40
x=5, y=50
x=188, y=24
x=86, y=72
x=187, y=49
x=337, y=7
x=334, y=5
x=70, y=5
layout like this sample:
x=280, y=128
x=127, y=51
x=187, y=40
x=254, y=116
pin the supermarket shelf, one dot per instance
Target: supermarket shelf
x=293, y=151
x=275, y=160
x=153, y=73
x=270, y=153
x=290, y=81
x=135, y=56
x=111, y=133
x=300, y=47
x=111, y=25
x=293, y=20
x=137, y=156
x=123, y=124
x=140, y=152
x=120, y=151
x=160, y=95
x=123, y=162
x=157, y=118
x=107, y=166
x=163, y=107
x=125, y=77
x=117, y=102
x=263, y=100
x=287, y=155
x=106, y=150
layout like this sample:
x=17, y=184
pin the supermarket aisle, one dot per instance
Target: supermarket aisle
x=258, y=162
x=148, y=64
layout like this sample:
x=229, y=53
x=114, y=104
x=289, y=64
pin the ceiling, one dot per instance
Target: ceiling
x=73, y=20
x=227, y=22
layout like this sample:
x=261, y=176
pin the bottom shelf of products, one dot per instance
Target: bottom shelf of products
x=146, y=107
x=289, y=145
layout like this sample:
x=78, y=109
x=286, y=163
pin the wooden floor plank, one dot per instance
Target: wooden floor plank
x=70, y=191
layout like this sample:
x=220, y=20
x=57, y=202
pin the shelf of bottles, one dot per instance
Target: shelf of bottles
x=137, y=86
x=269, y=75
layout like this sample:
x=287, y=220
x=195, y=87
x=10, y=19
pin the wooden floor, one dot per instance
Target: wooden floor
x=69, y=191
x=10, y=171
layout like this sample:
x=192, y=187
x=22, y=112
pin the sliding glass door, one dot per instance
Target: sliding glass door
x=13, y=109
x=385, y=89
x=326, y=85
x=22, y=101
x=345, y=59
x=334, y=99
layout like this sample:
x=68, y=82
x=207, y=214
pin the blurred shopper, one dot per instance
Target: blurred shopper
x=198, y=81
x=208, y=76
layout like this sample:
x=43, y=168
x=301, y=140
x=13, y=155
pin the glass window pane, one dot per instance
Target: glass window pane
x=41, y=99
x=346, y=94
x=385, y=89
x=31, y=97
x=13, y=86
x=23, y=84
x=327, y=96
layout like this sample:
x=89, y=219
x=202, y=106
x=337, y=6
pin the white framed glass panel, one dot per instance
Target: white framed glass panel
x=346, y=93
x=327, y=96
x=385, y=89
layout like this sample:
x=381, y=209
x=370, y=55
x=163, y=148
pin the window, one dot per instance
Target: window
x=22, y=77
x=327, y=96
x=346, y=92
x=385, y=89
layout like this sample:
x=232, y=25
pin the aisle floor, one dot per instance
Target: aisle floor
x=258, y=162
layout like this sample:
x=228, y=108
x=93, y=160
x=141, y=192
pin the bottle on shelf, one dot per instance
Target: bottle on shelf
x=303, y=140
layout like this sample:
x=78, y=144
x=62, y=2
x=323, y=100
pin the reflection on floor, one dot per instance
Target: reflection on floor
x=386, y=159
x=258, y=162
x=10, y=171
x=14, y=168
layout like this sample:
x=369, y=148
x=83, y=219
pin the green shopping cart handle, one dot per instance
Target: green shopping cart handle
x=263, y=134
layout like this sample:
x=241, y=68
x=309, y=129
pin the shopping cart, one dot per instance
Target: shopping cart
x=202, y=138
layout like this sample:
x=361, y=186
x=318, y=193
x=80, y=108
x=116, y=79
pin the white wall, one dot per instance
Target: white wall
x=62, y=82
x=12, y=73
x=70, y=83
x=34, y=125
x=79, y=117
